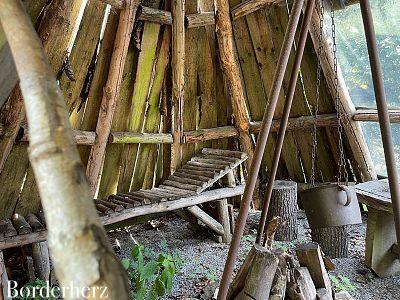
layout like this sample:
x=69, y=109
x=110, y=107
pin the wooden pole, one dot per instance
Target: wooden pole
x=111, y=90
x=178, y=78
x=231, y=71
x=79, y=246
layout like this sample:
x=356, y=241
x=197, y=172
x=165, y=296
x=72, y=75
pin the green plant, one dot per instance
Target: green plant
x=150, y=278
x=31, y=291
x=341, y=283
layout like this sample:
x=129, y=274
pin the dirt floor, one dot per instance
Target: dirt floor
x=201, y=260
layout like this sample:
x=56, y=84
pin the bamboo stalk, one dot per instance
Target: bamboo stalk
x=80, y=250
x=178, y=78
x=111, y=90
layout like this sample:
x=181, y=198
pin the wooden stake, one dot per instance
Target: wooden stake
x=111, y=91
x=178, y=78
x=80, y=249
x=231, y=71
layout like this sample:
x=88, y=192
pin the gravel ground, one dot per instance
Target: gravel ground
x=203, y=259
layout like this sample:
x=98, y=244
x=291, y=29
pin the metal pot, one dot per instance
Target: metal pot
x=330, y=205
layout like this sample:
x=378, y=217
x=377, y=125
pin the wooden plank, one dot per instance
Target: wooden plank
x=144, y=78
x=112, y=161
x=147, y=155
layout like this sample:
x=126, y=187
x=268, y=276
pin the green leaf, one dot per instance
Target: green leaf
x=135, y=251
x=126, y=263
x=166, y=277
x=149, y=270
x=159, y=287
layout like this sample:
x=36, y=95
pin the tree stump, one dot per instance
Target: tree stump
x=284, y=205
x=334, y=241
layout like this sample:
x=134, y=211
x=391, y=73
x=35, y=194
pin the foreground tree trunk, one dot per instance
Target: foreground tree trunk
x=80, y=249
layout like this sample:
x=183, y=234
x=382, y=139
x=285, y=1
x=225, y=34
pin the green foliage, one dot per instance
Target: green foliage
x=151, y=277
x=36, y=285
x=341, y=283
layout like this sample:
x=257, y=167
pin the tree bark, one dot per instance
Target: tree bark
x=284, y=205
x=81, y=252
x=334, y=241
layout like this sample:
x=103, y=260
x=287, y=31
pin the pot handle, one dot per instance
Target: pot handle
x=348, y=193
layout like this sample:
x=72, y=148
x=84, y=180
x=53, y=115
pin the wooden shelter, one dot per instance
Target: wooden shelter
x=149, y=84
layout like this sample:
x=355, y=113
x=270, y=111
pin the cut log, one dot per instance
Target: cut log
x=301, y=286
x=261, y=274
x=334, y=241
x=41, y=260
x=284, y=205
x=239, y=281
x=310, y=256
x=223, y=214
x=20, y=224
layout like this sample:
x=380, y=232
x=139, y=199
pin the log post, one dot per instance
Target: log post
x=231, y=71
x=110, y=94
x=80, y=249
x=223, y=214
x=334, y=241
x=310, y=256
x=178, y=79
x=284, y=205
x=41, y=260
x=261, y=274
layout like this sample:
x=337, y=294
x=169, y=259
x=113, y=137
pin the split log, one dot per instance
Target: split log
x=278, y=289
x=41, y=260
x=260, y=275
x=80, y=249
x=284, y=205
x=310, y=256
x=334, y=241
x=301, y=286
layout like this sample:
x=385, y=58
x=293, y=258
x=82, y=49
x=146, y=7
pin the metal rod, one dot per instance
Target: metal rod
x=285, y=116
x=383, y=113
x=260, y=147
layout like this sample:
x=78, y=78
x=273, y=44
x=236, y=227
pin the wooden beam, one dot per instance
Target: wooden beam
x=111, y=91
x=232, y=74
x=155, y=15
x=371, y=115
x=200, y=19
x=20, y=240
x=178, y=79
x=140, y=138
x=249, y=6
x=360, y=156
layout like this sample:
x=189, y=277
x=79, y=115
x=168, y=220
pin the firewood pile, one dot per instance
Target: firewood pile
x=274, y=274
